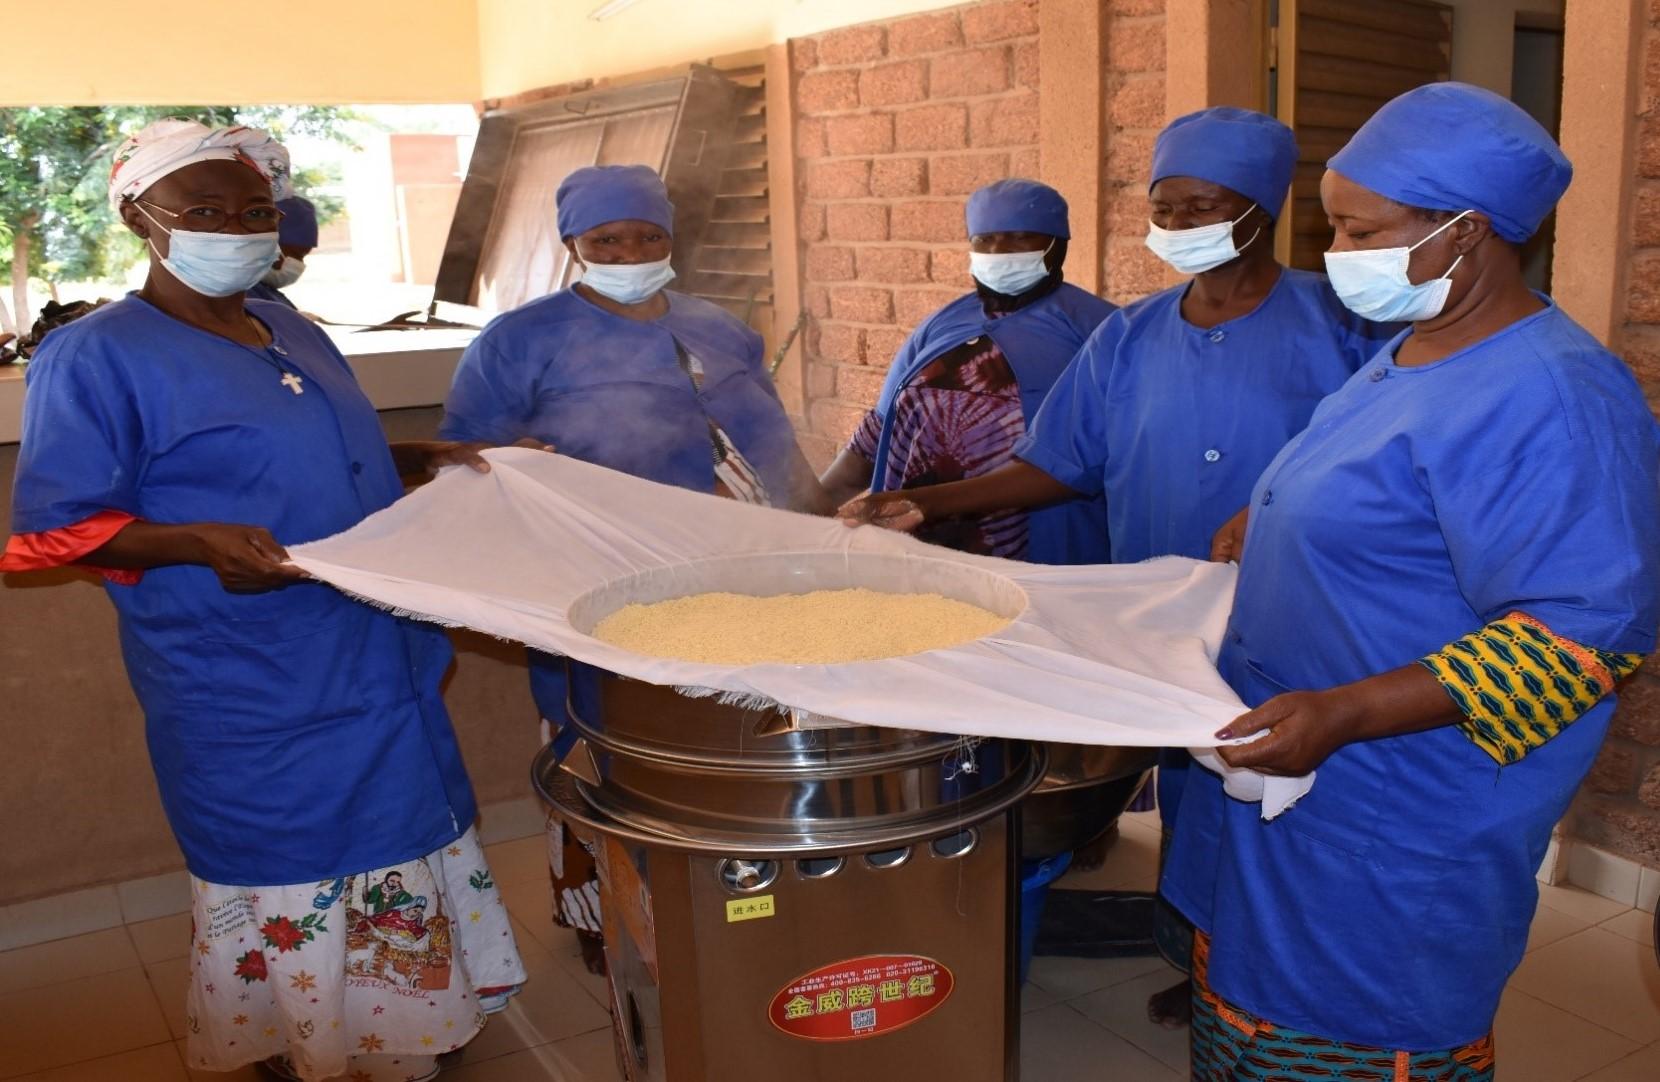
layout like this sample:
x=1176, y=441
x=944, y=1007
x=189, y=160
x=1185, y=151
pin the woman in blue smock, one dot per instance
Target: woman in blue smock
x=1177, y=402
x=1443, y=578
x=296, y=239
x=619, y=371
x=176, y=440
x=959, y=394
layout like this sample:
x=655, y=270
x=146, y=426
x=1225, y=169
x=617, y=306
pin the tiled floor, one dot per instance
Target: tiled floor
x=105, y=1007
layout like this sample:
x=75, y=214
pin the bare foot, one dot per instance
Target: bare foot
x=1093, y=855
x=1173, y=1007
x=593, y=951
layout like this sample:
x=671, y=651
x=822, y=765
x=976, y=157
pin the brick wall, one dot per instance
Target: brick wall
x=896, y=123
x=1619, y=807
x=1135, y=113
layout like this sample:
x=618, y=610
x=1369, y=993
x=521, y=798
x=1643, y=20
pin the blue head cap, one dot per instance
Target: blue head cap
x=1242, y=150
x=1452, y=146
x=596, y=194
x=299, y=222
x=1017, y=206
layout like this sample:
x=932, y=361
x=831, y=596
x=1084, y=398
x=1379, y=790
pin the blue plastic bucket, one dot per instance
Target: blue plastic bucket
x=1035, y=877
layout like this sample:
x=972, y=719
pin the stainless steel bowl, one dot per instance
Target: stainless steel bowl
x=702, y=772
x=1084, y=791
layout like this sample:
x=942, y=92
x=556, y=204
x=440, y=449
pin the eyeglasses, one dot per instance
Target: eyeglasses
x=208, y=219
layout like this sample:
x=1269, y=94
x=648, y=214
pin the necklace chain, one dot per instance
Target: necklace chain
x=289, y=379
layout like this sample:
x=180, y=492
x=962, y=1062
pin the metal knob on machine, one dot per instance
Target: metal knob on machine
x=746, y=876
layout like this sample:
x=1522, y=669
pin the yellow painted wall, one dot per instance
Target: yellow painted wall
x=525, y=44
x=372, y=51
x=188, y=52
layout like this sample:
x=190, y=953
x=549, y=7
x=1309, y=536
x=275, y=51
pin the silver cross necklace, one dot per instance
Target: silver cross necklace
x=289, y=379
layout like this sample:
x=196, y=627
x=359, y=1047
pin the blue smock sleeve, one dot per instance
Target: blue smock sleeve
x=1568, y=533
x=82, y=440
x=1068, y=438
x=900, y=368
x=487, y=401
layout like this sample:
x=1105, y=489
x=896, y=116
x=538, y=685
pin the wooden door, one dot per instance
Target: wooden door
x=1335, y=62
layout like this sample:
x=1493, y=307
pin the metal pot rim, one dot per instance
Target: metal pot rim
x=767, y=762
x=569, y=798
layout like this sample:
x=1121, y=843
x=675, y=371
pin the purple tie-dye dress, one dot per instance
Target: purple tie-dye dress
x=958, y=418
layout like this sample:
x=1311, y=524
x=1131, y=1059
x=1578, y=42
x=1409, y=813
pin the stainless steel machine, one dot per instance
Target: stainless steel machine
x=787, y=897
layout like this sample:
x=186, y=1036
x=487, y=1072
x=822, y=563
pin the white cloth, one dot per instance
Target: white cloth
x=351, y=974
x=167, y=146
x=1275, y=793
x=543, y=546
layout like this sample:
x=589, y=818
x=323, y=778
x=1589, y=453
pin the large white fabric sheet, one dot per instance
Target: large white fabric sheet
x=542, y=546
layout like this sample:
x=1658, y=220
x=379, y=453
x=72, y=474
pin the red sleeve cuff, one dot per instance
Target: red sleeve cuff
x=67, y=544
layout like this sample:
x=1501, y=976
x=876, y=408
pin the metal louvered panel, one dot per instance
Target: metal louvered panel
x=733, y=264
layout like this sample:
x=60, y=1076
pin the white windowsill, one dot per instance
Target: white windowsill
x=397, y=369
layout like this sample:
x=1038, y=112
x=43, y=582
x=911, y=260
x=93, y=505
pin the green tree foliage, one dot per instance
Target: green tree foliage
x=54, y=165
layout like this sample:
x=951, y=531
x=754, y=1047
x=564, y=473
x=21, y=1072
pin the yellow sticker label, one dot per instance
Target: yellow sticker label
x=750, y=908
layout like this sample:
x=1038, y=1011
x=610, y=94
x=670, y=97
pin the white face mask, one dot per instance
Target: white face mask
x=1009, y=273
x=286, y=274
x=1373, y=284
x=217, y=264
x=627, y=283
x=1202, y=248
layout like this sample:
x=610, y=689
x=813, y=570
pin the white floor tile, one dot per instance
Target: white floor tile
x=587, y=1058
x=1601, y=977
x=551, y=1007
x=1068, y=978
x=27, y=923
x=1147, y=820
x=157, y=1063
x=519, y=861
x=1550, y=925
x=1057, y=1044
x=562, y=944
x=170, y=979
x=66, y=1023
x=531, y=904
x=66, y=959
x=156, y=896
x=1634, y=924
x=1537, y=1042
x=1122, y=1009
x=510, y=819
x=1580, y=903
x=1640, y=1066
x=163, y=938
x=1035, y=997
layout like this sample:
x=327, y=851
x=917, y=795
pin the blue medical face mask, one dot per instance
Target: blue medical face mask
x=1009, y=273
x=1202, y=248
x=1373, y=284
x=217, y=264
x=627, y=283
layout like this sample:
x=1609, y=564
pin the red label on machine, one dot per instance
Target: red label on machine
x=861, y=997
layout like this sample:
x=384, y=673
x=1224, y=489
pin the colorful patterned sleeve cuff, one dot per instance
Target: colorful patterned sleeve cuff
x=1518, y=684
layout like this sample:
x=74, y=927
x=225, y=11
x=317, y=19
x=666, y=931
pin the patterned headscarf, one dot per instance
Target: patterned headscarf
x=167, y=146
